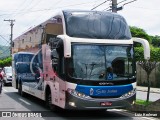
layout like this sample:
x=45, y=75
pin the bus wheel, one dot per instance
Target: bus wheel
x=20, y=90
x=49, y=102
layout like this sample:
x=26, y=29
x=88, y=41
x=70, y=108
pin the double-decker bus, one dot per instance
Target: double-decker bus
x=82, y=60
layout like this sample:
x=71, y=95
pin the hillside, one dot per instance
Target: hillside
x=4, y=51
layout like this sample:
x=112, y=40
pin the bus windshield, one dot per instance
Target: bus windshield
x=98, y=25
x=101, y=62
x=23, y=67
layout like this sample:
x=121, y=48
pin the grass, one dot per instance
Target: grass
x=142, y=102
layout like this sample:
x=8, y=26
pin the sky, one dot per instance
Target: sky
x=144, y=14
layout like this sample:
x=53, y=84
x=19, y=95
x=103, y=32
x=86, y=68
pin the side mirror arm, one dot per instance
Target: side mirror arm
x=145, y=45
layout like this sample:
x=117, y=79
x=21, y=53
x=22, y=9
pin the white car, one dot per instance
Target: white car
x=7, y=76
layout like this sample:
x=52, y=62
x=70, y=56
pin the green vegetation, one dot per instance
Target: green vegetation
x=142, y=102
x=151, y=64
x=5, y=62
x=138, y=32
x=5, y=59
x=155, y=54
x=155, y=41
x=154, y=45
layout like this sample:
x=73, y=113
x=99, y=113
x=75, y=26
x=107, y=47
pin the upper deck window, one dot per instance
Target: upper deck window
x=98, y=25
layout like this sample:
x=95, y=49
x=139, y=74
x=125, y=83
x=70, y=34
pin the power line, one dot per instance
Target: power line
x=140, y=7
x=35, y=19
x=121, y=1
x=129, y=2
x=114, y=5
x=4, y=50
x=120, y=8
x=4, y=38
x=30, y=6
x=48, y=9
x=99, y=5
x=39, y=10
x=107, y=9
x=21, y=7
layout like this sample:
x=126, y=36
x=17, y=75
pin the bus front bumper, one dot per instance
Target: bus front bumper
x=75, y=102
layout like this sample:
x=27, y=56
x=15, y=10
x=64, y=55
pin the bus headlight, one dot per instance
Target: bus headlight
x=76, y=93
x=130, y=93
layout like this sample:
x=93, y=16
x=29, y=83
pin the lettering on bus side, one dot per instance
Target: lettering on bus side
x=99, y=91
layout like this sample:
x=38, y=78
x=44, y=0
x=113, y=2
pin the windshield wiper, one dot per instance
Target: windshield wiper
x=93, y=64
x=87, y=74
x=83, y=73
x=86, y=67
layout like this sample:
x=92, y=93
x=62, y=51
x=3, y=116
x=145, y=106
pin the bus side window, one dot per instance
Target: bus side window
x=57, y=55
x=55, y=58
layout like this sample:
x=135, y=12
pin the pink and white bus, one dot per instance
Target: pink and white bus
x=78, y=60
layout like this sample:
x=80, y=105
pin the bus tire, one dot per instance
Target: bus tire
x=49, y=102
x=20, y=90
x=0, y=86
x=16, y=84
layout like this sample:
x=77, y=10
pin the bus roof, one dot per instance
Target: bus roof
x=117, y=19
x=96, y=25
x=24, y=53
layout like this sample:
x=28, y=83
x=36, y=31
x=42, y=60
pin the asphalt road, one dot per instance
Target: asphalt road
x=11, y=103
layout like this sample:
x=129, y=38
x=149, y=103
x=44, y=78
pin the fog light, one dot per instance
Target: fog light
x=72, y=104
x=133, y=102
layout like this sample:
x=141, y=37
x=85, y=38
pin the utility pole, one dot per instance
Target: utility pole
x=11, y=24
x=114, y=6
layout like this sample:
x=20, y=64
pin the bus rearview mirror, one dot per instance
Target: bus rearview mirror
x=145, y=45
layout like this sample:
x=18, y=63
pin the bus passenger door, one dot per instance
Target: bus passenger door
x=59, y=83
x=50, y=76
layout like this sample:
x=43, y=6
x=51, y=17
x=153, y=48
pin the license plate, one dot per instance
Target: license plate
x=106, y=103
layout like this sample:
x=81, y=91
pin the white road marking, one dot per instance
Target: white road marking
x=4, y=90
x=149, y=118
x=24, y=101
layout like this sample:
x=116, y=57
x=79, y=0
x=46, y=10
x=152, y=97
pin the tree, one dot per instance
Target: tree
x=5, y=62
x=149, y=65
x=155, y=41
x=138, y=32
